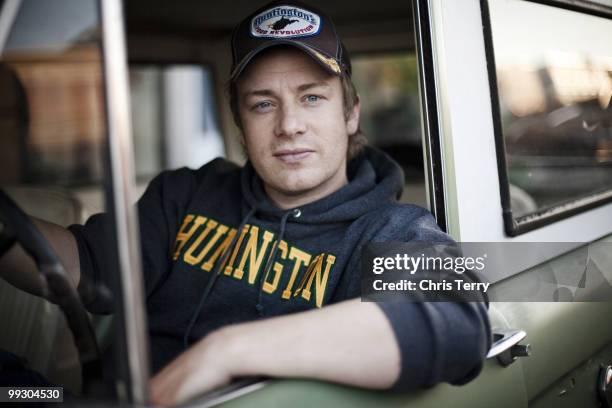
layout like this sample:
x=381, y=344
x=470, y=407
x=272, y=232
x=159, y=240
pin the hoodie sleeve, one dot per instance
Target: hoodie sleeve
x=438, y=341
x=159, y=209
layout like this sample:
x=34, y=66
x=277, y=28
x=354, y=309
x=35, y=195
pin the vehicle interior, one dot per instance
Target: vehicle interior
x=55, y=165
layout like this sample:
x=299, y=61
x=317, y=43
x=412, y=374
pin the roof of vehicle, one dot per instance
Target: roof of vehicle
x=203, y=20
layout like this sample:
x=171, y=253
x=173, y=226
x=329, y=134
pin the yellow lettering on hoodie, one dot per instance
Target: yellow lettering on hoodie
x=207, y=246
x=219, y=231
x=301, y=258
x=183, y=236
x=189, y=257
x=254, y=254
x=321, y=279
x=306, y=276
x=222, y=229
x=277, y=269
x=230, y=266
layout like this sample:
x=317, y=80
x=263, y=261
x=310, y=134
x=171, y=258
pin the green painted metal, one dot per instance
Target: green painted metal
x=495, y=387
x=577, y=388
x=563, y=334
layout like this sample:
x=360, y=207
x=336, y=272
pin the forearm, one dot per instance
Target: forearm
x=350, y=342
x=19, y=269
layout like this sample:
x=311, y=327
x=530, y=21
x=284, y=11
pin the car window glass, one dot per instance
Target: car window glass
x=554, y=83
x=52, y=122
x=53, y=51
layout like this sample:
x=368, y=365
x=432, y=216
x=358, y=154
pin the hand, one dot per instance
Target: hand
x=203, y=367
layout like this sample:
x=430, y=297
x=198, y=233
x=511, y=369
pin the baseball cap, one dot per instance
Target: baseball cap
x=289, y=23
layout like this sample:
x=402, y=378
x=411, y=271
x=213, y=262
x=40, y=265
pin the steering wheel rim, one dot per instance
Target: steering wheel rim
x=19, y=227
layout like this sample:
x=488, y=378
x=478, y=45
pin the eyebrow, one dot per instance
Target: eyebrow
x=311, y=85
x=301, y=88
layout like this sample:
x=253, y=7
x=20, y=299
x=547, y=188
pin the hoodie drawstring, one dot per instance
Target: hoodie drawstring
x=216, y=272
x=296, y=213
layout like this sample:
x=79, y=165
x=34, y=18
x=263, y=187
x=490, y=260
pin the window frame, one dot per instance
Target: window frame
x=432, y=145
x=134, y=370
x=515, y=226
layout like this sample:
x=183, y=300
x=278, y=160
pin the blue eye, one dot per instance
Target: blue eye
x=312, y=98
x=262, y=105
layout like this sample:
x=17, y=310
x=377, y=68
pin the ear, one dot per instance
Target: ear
x=245, y=150
x=352, y=122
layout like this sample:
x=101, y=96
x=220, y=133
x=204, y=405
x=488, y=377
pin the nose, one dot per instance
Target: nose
x=290, y=122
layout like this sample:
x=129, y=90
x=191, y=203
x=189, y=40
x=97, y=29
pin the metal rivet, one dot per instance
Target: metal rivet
x=297, y=213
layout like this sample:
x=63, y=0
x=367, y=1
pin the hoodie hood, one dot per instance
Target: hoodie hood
x=373, y=178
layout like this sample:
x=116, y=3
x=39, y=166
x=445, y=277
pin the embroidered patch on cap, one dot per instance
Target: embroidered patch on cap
x=285, y=22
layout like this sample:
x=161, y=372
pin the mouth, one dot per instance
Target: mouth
x=292, y=156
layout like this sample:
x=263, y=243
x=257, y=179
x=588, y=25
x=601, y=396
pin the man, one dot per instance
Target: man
x=239, y=262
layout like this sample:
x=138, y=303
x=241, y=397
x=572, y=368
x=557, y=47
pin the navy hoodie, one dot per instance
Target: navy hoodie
x=201, y=273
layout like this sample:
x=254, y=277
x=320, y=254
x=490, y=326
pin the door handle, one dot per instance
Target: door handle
x=506, y=346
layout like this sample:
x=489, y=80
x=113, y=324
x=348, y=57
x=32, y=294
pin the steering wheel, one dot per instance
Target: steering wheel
x=16, y=226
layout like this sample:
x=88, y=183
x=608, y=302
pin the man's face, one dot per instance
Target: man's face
x=294, y=127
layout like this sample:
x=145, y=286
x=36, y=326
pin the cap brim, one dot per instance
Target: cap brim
x=328, y=63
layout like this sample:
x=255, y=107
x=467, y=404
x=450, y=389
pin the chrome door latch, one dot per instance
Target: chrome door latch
x=603, y=386
x=506, y=346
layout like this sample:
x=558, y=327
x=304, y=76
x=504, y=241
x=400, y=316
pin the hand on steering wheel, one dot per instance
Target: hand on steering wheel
x=18, y=227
